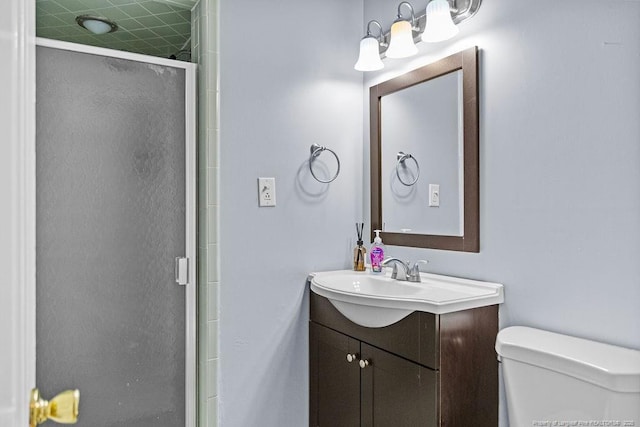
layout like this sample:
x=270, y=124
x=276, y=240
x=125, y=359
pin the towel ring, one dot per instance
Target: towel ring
x=401, y=159
x=316, y=150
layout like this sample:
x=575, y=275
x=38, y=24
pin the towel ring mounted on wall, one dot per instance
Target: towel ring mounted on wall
x=316, y=150
x=401, y=159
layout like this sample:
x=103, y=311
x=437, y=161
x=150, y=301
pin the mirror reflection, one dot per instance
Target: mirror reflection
x=422, y=158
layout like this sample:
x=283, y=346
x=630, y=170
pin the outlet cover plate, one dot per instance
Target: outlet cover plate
x=266, y=192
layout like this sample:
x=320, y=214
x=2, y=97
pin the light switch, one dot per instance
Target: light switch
x=434, y=195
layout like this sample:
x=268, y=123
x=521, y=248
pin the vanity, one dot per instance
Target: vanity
x=434, y=366
x=386, y=352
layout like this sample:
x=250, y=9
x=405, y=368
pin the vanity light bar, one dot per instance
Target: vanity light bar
x=461, y=10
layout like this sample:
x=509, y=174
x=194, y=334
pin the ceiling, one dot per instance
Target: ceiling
x=151, y=27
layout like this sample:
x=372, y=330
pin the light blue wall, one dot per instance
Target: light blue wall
x=560, y=175
x=559, y=162
x=287, y=81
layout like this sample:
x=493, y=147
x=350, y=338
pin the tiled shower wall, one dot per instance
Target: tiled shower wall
x=205, y=53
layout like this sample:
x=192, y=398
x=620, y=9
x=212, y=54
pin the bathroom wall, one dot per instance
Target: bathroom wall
x=560, y=183
x=204, y=52
x=559, y=161
x=286, y=82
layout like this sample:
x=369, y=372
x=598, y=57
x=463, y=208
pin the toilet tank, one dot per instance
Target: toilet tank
x=558, y=380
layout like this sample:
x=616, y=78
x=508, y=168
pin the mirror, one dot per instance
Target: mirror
x=423, y=193
x=424, y=156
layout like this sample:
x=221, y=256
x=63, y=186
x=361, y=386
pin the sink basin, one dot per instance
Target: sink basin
x=376, y=301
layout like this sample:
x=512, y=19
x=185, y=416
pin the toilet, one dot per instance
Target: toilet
x=558, y=380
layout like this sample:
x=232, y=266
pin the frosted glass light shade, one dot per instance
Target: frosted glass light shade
x=96, y=24
x=439, y=25
x=369, y=59
x=97, y=27
x=401, y=44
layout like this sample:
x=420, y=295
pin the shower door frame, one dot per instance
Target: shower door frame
x=190, y=202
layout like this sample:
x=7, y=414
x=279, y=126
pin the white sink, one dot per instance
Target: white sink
x=375, y=301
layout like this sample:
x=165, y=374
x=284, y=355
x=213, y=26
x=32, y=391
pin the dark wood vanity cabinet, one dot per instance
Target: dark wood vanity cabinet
x=404, y=392
x=425, y=371
x=335, y=380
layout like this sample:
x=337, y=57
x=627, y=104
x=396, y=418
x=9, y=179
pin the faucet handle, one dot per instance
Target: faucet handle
x=414, y=274
x=417, y=263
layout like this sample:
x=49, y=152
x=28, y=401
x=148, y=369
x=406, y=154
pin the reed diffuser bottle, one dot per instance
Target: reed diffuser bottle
x=359, y=253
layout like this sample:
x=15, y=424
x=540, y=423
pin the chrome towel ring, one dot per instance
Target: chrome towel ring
x=316, y=150
x=401, y=161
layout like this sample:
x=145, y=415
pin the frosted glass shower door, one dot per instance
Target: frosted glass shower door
x=111, y=207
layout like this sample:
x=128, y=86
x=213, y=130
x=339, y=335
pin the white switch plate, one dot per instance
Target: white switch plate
x=266, y=192
x=434, y=195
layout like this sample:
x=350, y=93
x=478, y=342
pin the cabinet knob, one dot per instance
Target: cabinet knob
x=364, y=363
x=351, y=357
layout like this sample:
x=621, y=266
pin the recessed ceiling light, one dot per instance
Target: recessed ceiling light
x=96, y=24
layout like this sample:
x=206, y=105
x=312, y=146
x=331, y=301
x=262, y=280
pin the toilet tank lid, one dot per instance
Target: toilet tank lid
x=615, y=368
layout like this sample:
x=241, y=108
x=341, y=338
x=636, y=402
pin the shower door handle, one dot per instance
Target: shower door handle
x=182, y=270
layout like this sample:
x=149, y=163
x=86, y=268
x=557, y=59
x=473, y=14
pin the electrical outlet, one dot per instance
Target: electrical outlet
x=434, y=195
x=266, y=192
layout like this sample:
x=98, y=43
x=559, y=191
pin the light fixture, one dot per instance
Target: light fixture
x=369, y=58
x=401, y=43
x=96, y=24
x=439, y=25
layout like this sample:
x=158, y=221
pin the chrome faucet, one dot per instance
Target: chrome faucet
x=409, y=273
x=394, y=274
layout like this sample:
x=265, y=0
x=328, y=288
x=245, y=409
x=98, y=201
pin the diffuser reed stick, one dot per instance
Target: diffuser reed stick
x=360, y=251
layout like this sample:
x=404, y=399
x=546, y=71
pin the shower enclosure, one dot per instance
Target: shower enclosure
x=115, y=200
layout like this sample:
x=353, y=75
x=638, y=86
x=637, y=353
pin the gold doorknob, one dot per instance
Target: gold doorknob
x=62, y=409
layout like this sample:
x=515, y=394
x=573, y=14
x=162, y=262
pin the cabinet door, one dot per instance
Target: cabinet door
x=334, y=381
x=396, y=392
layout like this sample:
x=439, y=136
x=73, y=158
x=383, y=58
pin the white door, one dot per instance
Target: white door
x=18, y=222
x=17, y=216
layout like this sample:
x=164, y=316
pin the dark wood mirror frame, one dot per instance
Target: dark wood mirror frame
x=467, y=61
